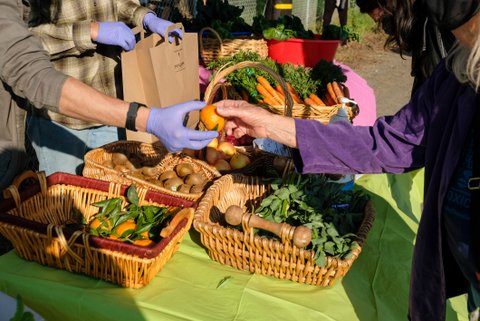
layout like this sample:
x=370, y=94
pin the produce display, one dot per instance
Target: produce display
x=140, y=225
x=311, y=86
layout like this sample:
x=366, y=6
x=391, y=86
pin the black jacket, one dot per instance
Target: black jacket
x=451, y=14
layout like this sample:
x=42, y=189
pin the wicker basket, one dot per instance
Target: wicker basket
x=35, y=222
x=154, y=155
x=215, y=48
x=322, y=114
x=246, y=251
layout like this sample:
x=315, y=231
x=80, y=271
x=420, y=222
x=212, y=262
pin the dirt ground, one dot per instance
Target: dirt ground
x=384, y=70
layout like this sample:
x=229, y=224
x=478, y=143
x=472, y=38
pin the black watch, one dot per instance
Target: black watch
x=132, y=115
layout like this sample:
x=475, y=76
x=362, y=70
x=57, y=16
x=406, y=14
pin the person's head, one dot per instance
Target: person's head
x=394, y=16
x=464, y=58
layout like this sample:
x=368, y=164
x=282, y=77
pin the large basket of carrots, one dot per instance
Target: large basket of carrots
x=285, y=89
x=117, y=233
x=215, y=47
x=283, y=231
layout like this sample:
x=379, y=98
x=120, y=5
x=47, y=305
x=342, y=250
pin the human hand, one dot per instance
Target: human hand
x=115, y=33
x=160, y=26
x=242, y=118
x=167, y=125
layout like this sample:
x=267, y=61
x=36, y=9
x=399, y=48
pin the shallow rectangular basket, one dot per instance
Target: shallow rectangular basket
x=36, y=223
x=153, y=155
x=244, y=250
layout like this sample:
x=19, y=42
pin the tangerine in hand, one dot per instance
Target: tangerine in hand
x=210, y=118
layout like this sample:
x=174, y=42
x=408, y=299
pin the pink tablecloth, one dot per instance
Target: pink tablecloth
x=358, y=87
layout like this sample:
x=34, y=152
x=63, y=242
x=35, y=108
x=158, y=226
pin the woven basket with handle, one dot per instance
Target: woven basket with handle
x=37, y=220
x=244, y=250
x=322, y=114
x=212, y=48
x=154, y=155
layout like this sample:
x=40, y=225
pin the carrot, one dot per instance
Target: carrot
x=279, y=89
x=331, y=93
x=267, y=97
x=329, y=101
x=264, y=82
x=309, y=101
x=337, y=90
x=294, y=95
x=316, y=99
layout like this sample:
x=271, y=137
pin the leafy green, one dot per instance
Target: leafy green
x=245, y=78
x=312, y=201
x=285, y=27
x=299, y=78
x=324, y=72
x=146, y=217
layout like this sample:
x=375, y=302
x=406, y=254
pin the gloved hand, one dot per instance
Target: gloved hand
x=117, y=34
x=167, y=125
x=158, y=25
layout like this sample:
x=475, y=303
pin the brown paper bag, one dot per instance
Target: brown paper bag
x=159, y=74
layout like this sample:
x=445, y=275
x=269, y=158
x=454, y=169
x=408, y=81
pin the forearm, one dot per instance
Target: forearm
x=83, y=102
x=281, y=129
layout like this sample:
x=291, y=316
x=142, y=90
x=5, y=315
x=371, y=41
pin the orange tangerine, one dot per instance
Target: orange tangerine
x=210, y=118
x=125, y=226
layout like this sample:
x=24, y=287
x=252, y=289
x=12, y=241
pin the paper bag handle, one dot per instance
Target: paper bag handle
x=139, y=30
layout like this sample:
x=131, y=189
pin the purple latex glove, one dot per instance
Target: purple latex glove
x=117, y=34
x=167, y=125
x=158, y=25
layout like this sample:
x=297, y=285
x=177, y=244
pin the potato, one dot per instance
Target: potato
x=194, y=179
x=173, y=183
x=183, y=169
x=149, y=171
x=184, y=188
x=196, y=189
x=167, y=175
x=119, y=158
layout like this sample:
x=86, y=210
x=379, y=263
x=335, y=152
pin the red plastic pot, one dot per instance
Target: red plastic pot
x=302, y=51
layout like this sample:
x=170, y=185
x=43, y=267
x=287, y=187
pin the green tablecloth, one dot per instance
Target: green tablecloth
x=376, y=287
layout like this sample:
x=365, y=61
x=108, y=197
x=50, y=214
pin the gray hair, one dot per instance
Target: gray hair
x=465, y=63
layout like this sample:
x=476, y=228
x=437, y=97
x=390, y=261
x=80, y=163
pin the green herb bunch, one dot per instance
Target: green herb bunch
x=333, y=215
x=299, y=78
x=245, y=78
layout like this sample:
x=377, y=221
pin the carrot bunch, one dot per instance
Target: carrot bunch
x=275, y=96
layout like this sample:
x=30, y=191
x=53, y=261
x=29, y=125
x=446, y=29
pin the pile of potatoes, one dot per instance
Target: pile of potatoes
x=182, y=178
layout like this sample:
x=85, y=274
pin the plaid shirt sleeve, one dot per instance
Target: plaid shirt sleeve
x=131, y=12
x=65, y=39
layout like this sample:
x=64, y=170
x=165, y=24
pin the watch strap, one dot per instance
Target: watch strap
x=132, y=115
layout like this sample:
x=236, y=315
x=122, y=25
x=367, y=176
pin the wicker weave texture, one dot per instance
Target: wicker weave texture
x=59, y=205
x=246, y=251
x=212, y=46
x=156, y=156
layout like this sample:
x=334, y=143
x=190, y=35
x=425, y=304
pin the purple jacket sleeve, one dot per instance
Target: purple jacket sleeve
x=394, y=144
x=24, y=66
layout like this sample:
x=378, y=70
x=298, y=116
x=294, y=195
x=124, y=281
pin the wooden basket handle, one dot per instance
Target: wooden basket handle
x=214, y=32
x=13, y=190
x=300, y=235
x=222, y=73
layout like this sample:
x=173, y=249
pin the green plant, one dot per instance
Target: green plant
x=332, y=214
x=20, y=314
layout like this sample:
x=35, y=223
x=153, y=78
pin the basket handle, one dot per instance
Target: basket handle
x=13, y=190
x=179, y=216
x=222, y=73
x=300, y=235
x=214, y=32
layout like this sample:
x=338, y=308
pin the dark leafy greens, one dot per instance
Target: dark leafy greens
x=332, y=214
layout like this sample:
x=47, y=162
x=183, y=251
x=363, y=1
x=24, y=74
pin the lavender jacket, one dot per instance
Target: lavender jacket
x=429, y=132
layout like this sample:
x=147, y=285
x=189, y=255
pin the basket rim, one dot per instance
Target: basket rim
x=200, y=223
x=74, y=181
